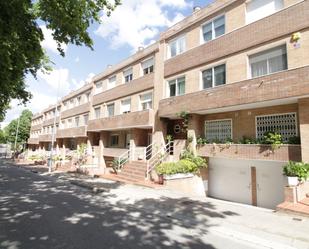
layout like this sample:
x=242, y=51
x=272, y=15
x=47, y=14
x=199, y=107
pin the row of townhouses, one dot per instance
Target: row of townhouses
x=234, y=69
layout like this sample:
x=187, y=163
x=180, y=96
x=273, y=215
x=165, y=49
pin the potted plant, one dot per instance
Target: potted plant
x=295, y=172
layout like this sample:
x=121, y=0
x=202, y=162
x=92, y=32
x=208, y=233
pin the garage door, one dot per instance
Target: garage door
x=230, y=179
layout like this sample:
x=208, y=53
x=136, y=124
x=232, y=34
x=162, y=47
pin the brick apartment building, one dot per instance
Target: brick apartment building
x=238, y=68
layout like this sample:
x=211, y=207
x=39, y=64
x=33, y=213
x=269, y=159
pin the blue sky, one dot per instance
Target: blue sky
x=135, y=23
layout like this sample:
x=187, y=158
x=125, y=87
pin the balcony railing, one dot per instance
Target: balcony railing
x=72, y=132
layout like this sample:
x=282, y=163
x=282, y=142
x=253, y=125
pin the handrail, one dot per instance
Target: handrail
x=159, y=157
x=122, y=159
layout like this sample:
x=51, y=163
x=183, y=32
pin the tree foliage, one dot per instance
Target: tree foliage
x=21, y=36
x=23, y=129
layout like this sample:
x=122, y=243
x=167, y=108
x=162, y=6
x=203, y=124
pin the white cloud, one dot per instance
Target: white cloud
x=49, y=42
x=57, y=77
x=136, y=22
x=79, y=84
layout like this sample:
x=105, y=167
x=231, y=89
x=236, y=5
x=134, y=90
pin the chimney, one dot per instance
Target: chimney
x=196, y=8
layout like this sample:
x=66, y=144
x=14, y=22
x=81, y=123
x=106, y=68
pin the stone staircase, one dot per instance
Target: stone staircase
x=134, y=171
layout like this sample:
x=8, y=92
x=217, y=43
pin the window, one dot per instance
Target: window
x=213, y=29
x=87, y=97
x=128, y=75
x=177, y=46
x=69, y=124
x=218, y=130
x=258, y=9
x=215, y=76
x=98, y=87
x=71, y=103
x=110, y=110
x=147, y=66
x=284, y=124
x=111, y=82
x=86, y=117
x=126, y=106
x=146, y=101
x=63, y=124
x=269, y=61
x=114, y=140
x=177, y=87
x=79, y=98
x=97, y=112
x=76, y=121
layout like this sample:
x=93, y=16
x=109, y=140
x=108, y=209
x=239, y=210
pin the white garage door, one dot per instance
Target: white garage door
x=230, y=179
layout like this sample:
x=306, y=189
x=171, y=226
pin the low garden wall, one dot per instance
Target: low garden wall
x=284, y=152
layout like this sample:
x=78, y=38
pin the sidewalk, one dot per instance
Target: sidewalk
x=261, y=227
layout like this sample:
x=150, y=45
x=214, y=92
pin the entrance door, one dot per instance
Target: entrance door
x=128, y=138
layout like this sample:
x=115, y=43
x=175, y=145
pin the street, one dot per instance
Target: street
x=46, y=212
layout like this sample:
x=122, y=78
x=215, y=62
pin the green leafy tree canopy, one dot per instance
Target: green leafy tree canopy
x=23, y=129
x=21, y=36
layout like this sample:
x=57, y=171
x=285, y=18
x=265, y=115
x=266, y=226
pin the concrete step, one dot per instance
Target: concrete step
x=130, y=178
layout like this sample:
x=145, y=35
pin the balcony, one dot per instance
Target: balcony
x=280, y=88
x=45, y=138
x=36, y=127
x=278, y=25
x=83, y=108
x=251, y=151
x=33, y=140
x=140, y=119
x=72, y=132
x=50, y=121
x=138, y=85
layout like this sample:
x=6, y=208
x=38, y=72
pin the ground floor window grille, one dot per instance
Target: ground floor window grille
x=218, y=130
x=284, y=124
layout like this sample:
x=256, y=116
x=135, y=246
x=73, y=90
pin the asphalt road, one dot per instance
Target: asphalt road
x=43, y=212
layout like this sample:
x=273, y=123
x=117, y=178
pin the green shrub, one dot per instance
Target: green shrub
x=172, y=168
x=296, y=169
x=197, y=160
x=272, y=138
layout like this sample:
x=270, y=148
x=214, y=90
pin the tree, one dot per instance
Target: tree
x=23, y=129
x=2, y=137
x=21, y=36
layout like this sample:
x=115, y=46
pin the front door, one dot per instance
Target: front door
x=176, y=130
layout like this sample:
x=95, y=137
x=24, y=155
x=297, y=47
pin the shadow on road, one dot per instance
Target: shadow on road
x=39, y=212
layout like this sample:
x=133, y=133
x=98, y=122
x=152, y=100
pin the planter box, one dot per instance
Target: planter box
x=292, y=181
x=178, y=176
x=251, y=151
x=186, y=183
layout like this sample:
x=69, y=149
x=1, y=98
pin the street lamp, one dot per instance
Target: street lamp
x=54, y=128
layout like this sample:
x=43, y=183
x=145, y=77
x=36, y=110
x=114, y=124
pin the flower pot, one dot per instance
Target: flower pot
x=292, y=181
x=160, y=179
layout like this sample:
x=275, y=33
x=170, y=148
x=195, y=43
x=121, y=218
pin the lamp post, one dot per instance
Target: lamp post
x=16, y=134
x=50, y=163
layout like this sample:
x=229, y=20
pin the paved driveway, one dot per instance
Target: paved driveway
x=44, y=212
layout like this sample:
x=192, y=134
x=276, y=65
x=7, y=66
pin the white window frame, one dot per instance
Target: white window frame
x=107, y=113
x=264, y=50
x=84, y=120
x=213, y=74
x=176, y=41
x=100, y=89
x=176, y=83
x=277, y=114
x=141, y=102
x=215, y=120
x=77, y=124
x=122, y=106
x=202, y=41
x=128, y=72
x=95, y=112
x=148, y=68
x=109, y=86
x=257, y=19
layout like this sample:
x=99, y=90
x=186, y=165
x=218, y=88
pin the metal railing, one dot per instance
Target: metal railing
x=159, y=156
x=123, y=159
